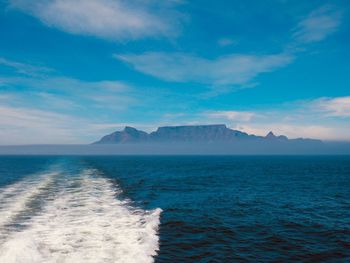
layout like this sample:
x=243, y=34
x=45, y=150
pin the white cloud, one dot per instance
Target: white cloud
x=318, y=25
x=108, y=19
x=244, y=116
x=234, y=69
x=322, y=118
x=332, y=107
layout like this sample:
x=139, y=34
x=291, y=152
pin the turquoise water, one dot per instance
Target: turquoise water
x=175, y=209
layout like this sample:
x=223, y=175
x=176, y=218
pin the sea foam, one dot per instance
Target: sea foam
x=15, y=199
x=84, y=221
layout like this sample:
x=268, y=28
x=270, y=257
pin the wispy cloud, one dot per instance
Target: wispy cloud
x=295, y=130
x=318, y=25
x=234, y=69
x=26, y=126
x=108, y=19
x=322, y=118
x=224, y=42
x=65, y=93
x=23, y=68
x=299, y=119
x=244, y=116
x=332, y=107
x=65, y=83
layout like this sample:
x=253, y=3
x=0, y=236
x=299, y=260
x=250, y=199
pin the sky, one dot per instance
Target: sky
x=73, y=71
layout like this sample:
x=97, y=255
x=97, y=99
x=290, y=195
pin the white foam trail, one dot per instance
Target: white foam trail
x=15, y=197
x=86, y=223
x=10, y=190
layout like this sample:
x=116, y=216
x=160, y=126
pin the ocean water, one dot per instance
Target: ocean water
x=174, y=209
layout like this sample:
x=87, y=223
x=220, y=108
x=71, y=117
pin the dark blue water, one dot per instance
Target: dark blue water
x=226, y=208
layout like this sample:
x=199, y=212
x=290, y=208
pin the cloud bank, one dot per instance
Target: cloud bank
x=107, y=19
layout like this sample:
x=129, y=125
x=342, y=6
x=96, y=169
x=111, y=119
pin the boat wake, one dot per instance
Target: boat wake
x=60, y=217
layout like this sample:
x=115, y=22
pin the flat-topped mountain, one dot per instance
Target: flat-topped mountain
x=191, y=134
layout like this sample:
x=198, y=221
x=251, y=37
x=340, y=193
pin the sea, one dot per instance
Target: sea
x=174, y=209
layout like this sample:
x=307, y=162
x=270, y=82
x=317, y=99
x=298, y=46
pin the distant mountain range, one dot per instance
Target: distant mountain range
x=218, y=133
x=187, y=140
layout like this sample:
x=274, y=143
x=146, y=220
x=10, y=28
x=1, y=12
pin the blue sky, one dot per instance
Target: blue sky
x=72, y=71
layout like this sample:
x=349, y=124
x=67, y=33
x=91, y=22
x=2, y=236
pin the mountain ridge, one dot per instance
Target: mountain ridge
x=191, y=134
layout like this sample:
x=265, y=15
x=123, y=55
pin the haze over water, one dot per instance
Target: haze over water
x=174, y=209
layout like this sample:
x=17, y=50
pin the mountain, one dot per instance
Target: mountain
x=218, y=133
x=272, y=136
x=128, y=135
x=199, y=133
